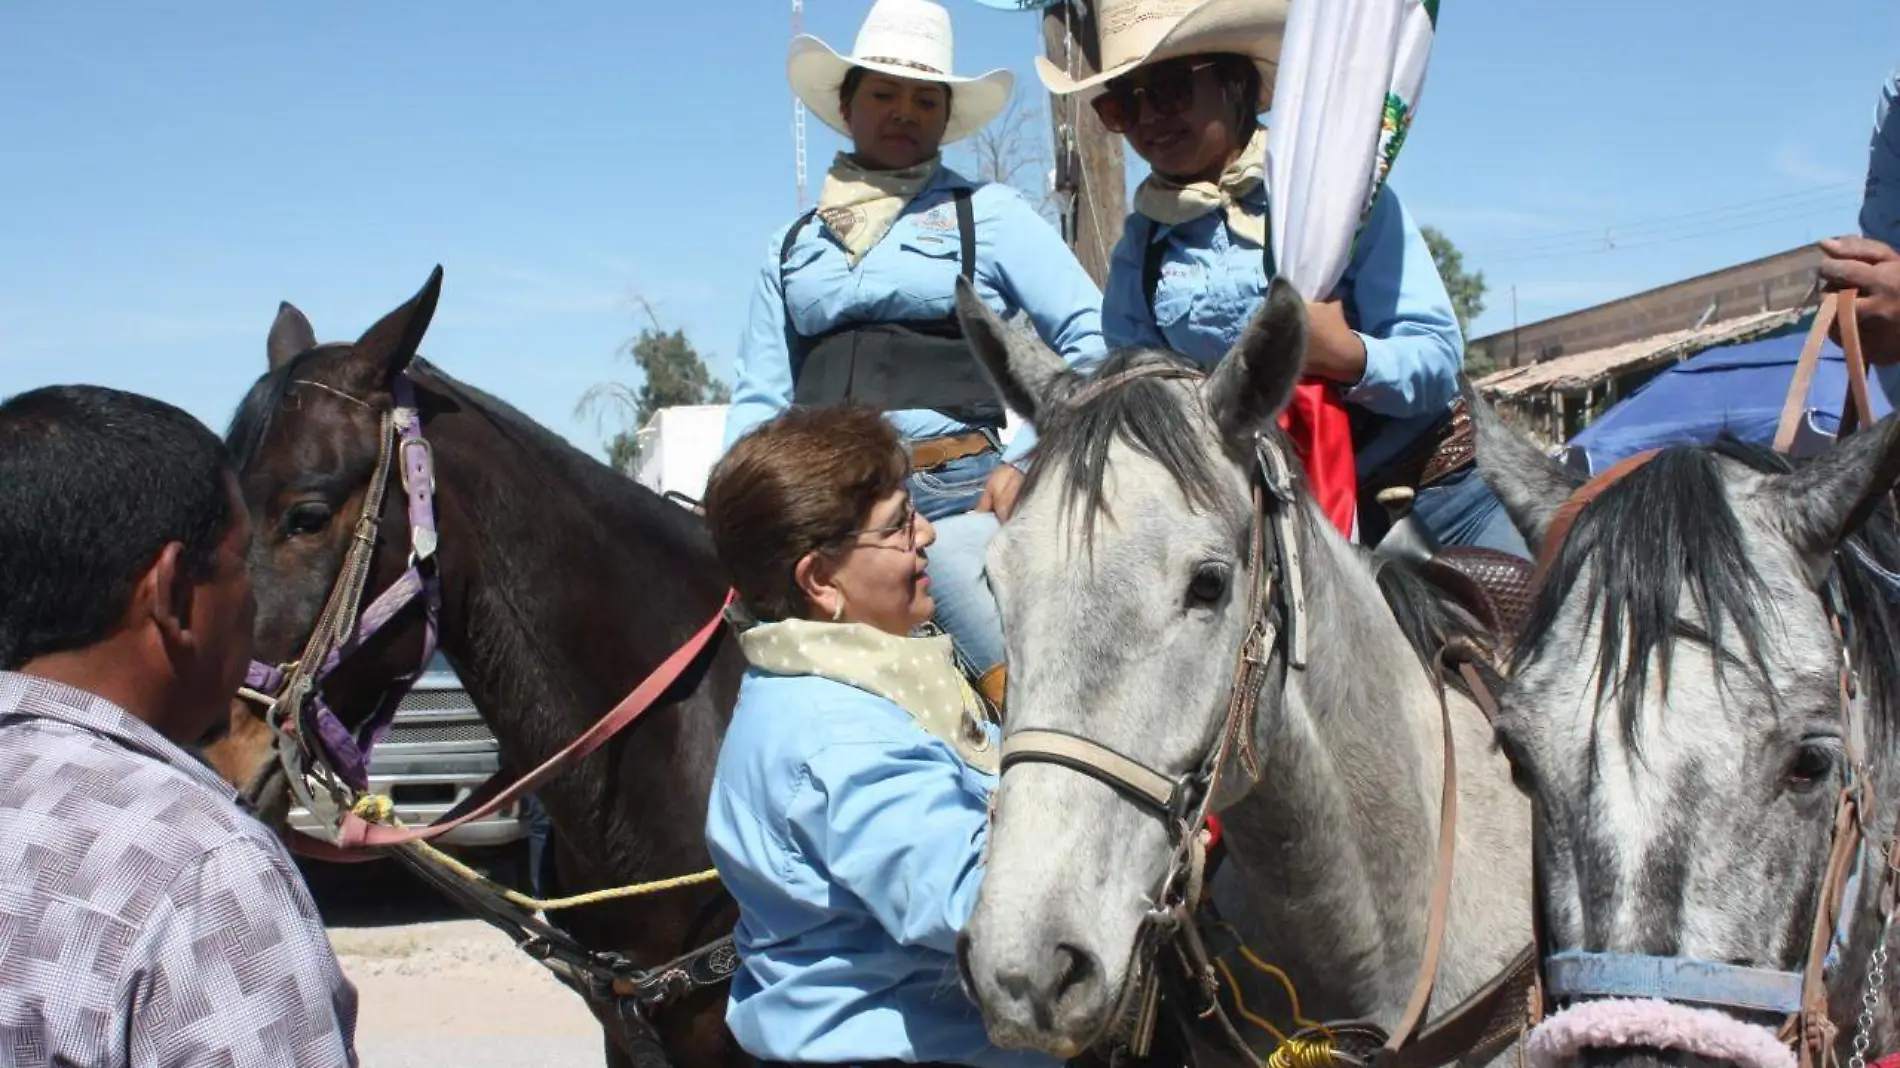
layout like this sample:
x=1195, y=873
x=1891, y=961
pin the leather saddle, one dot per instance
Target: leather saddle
x=1495, y=587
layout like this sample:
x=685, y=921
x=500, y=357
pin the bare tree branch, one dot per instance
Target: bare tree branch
x=1013, y=150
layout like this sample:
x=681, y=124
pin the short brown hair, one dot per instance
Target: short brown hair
x=796, y=484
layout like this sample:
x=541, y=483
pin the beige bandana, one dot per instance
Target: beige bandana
x=1172, y=203
x=860, y=205
x=919, y=675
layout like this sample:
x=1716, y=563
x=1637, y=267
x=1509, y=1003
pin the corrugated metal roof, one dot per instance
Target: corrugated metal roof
x=1583, y=370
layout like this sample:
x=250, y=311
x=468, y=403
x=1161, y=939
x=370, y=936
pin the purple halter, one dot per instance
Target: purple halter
x=319, y=732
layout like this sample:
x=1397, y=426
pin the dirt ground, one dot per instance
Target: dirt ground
x=435, y=989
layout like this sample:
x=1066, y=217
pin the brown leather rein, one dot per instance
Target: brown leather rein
x=1276, y=621
x=1808, y=1028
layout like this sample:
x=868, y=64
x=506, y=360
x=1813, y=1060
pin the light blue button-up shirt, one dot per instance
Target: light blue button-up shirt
x=911, y=273
x=853, y=843
x=1880, y=205
x=1212, y=282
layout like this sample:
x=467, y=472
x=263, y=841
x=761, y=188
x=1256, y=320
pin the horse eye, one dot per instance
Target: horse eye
x=1811, y=766
x=1208, y=585
x=307, y=518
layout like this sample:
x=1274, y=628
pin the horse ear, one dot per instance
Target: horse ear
x=1830, y=496
x=1028, y=374
x=1255, y=379
x=389, y=345
x=1529, y=484
x=290, y=336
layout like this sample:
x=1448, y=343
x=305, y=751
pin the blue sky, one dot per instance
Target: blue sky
x=171, y=171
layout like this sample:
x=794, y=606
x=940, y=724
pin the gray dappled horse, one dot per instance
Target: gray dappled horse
x=1124, y=579
x=1678, y=712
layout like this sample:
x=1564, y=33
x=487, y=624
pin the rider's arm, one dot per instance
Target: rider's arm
x=1399, y=306
x=1127, y=320
x=1033, y=270
x=897, y=824
x=233, y=967
x=764, y=386
x=1880, y=207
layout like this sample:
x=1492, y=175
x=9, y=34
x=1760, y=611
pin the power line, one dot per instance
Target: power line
x=1790, y=213
x=1615, y=232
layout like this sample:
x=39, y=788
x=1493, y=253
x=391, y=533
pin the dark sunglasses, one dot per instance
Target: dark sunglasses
x=1168, y=86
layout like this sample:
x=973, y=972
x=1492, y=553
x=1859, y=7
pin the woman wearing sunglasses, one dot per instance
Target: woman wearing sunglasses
x=856, y=301
x=849, y=808
x=1184, y=83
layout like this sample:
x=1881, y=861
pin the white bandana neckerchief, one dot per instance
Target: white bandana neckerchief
x=859, y=205
x=1172, y=203
x=919, y=675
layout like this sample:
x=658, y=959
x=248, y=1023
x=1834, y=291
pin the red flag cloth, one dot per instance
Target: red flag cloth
x=1321, y=430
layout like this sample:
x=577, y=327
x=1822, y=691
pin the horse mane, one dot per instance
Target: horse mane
x=1146, y=414
x=1636, y=559
x=1143, y=413
x=1431, y=618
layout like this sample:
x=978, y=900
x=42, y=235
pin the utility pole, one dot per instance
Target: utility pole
x=1088, y=159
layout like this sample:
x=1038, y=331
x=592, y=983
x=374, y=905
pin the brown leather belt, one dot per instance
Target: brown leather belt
x=935, y=452
x=1445, y=448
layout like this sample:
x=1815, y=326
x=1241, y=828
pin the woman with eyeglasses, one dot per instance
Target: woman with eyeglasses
x=850, y=804
x=1184, y=84
x=856, y=300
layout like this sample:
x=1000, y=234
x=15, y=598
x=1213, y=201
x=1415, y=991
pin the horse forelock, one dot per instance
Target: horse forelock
x=1665, y=554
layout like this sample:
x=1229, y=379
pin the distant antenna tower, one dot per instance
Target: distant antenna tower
x=798, y=110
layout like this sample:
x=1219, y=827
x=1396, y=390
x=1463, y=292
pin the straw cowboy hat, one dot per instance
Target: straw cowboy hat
x=1135, y=33
x=904, y=39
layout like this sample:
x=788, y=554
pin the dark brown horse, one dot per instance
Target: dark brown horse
x=563, y=584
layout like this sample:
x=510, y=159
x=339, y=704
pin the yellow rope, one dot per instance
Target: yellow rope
x=378, y=808
x=1297, y=1052
x=1240, y=1006
x=1286, y=983
x=1303, y=1053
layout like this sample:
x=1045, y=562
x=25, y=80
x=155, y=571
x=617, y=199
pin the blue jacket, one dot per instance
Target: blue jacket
x=1880, y=205
x=1021, y=264
x=853, y=842
x=1211, y=284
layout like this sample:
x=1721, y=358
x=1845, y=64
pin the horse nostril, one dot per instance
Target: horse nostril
x=1078, y=969
x=963, y=965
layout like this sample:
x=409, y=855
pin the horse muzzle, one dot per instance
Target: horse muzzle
x=1048, y=994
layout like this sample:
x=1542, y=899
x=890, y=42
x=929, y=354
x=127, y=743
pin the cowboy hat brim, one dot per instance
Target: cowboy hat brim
x=817, y=72
x=1251, y=28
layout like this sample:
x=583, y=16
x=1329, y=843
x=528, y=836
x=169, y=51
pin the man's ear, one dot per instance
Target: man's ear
x=164, y=596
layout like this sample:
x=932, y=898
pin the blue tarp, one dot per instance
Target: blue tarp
x=1736, y=389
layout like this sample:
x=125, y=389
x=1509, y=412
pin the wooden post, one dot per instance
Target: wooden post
x=1088, y=158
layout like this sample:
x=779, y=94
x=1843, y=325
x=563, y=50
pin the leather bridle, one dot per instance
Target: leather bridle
x=1574, y=976
x=1277, y=622
x=310, y=743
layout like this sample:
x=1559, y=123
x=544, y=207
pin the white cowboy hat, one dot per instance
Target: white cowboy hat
x=1135, y=33
x=904, y=39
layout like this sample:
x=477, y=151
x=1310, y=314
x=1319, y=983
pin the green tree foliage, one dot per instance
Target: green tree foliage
x=671, y=373
x=1467, y=293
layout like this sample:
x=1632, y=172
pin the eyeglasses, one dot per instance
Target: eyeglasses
x=1168, y=86
x=905, y=525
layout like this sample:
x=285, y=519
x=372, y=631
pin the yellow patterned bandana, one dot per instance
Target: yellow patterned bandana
x=918, y=675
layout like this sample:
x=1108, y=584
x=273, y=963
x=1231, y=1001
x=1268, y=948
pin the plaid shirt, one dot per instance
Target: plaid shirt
x=144, y=918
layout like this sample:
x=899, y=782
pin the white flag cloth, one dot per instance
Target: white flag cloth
x=1349, y=80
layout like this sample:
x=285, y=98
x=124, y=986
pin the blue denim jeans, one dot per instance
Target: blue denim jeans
x=966, y=609
x=1460, y=509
